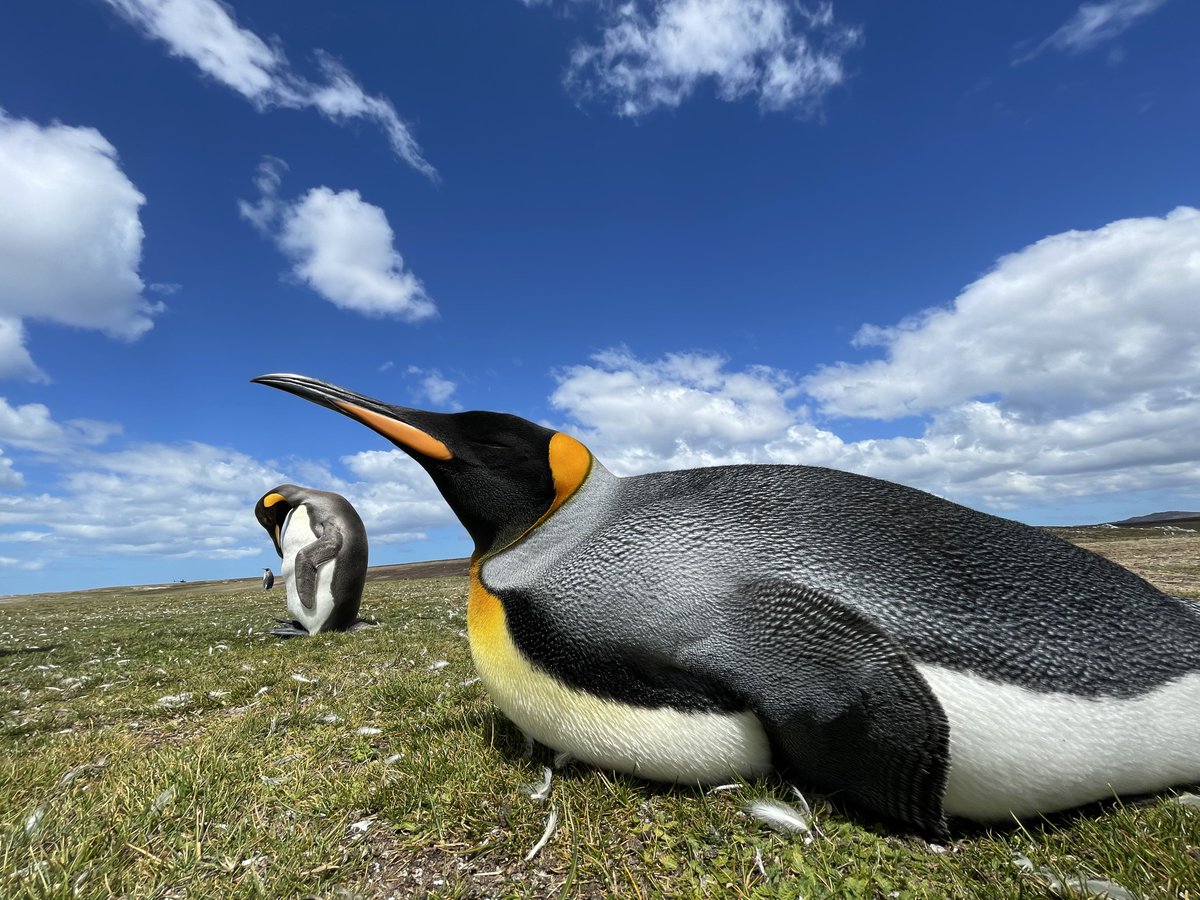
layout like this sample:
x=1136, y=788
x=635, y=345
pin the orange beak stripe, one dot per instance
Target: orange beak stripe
x=400, y=432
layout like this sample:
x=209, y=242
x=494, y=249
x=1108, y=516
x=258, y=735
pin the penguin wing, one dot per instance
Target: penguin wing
x=844, y=705
x=311, y=557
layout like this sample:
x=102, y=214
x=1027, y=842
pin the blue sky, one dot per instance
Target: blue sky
x=953, y=245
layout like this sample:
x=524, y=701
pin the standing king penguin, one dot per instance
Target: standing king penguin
x=323, y=544
x=913, y=656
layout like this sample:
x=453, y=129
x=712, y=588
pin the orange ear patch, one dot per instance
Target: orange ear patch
x=401, y=432
x=271, y=499
x=570, y=463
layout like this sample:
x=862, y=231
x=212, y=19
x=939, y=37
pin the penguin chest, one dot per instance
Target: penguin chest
x=657, y=743
x=296, y=534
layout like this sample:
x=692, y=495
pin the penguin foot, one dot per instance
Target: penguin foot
x=289, y=628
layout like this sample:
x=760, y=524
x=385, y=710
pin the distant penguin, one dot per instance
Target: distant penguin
x=323, y=544
x=268, y=579
x=914, y=657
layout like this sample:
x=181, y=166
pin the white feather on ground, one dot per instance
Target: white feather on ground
x=551, y=824
x=723, y=787
x=1074, y=885
x=778, y=815
x=540, y=791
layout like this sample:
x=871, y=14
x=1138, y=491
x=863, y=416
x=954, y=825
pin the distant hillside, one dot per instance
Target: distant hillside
x=1173, y=517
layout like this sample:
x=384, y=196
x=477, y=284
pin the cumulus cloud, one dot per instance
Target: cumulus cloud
x=656, y=54
x=70, y=238
x=205, y=32
x=341, y=246
x=179, y=501
x=9, y=476
x=1074, y=322
x=31, y=427
x=433, y=386
x=1092, y=25
x=1072, y=370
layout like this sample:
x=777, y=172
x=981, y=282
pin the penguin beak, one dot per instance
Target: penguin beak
x=393, y=422
x=271, y=511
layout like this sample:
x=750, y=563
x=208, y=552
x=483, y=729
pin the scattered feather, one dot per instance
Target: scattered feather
x=540, y=791
x=395, y=757
x=551, y=824
x=723, y=787
x=758, y=862
x=331, y=719
x=801, y=803
x=467, y=682
x=34, y=820
x=561, y=759
x=1074, y=885
x=176, y=699
x=262, y=690
x=368, y=730
x=361, y=825
x=303, y=679
x=936, y=848
x=271, y=781
x=439, y=665
x=1192, y=800
x=778, y=815
x=217, y=695
x=163, y=800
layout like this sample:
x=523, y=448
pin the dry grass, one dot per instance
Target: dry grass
x=157, y=743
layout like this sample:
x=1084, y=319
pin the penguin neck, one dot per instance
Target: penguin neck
x=566, y=525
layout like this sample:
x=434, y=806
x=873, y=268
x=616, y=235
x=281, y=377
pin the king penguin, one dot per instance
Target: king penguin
x=918, y=659
x=323, y=544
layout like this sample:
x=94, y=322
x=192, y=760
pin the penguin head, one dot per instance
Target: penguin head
x=501, y=474
x=272, y=510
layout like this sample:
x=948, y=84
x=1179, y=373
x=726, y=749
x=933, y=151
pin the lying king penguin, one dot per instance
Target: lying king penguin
x=914, y=657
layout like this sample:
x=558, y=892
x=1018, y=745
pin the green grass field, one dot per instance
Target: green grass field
x=156, y=743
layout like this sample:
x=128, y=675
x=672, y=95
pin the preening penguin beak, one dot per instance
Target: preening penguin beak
x=379, y=417
x=271, y=511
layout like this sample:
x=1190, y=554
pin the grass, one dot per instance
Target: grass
x=156, y=743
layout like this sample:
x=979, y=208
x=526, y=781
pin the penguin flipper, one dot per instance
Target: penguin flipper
x=310, y=559
x=844, y=705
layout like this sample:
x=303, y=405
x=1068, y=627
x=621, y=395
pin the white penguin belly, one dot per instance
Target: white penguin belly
x=1017, y=752
x=295, y=535
x=657, y=743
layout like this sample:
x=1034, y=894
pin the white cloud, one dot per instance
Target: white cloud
x=1077, y=321
x=341, y=246
x=185, y=501
x=1070, y=371
x=434, y=388
x=70, y=238
x=15, y=361
x=9, y=476
x=205, y=32
x=1093, y=24
x=669, y=410
x=31, y=427
x=657, y=54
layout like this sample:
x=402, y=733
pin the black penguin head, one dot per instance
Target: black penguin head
x=500, y=473
x=273, y=508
